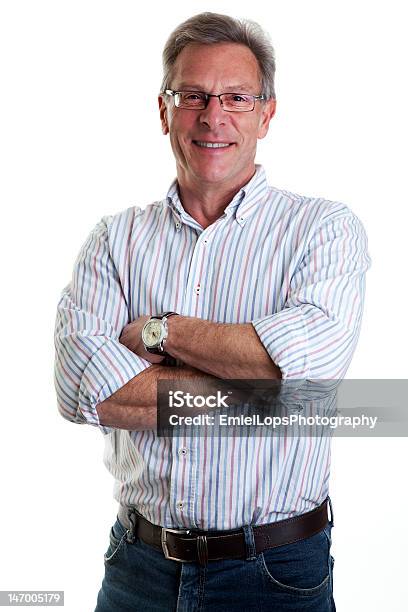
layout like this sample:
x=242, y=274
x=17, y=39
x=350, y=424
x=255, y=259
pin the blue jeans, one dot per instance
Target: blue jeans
x=293, y=577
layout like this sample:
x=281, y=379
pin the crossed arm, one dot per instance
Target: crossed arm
x=104, y=377
x=208, y=350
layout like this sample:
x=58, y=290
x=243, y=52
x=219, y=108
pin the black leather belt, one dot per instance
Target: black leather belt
x=189, y=545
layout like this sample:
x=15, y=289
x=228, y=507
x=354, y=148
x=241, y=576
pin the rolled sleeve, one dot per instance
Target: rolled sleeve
x=90, y=362
x=109, y=369
x=285, y=338
x=315, y=333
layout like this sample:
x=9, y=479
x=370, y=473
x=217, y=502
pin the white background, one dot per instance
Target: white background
x=81, y=138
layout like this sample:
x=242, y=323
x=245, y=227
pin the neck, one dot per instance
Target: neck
x=205, y=202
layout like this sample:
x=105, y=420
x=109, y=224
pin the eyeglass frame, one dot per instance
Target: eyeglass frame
x=172, y=92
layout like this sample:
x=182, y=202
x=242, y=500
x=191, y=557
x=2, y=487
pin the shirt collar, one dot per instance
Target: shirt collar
x=242, y=205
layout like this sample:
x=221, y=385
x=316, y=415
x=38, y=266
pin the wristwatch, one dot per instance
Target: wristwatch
x=154, y=333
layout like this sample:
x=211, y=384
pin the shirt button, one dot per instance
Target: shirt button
x=197, y=289
x=178, y=225
x=183, y=451
x=180, y=505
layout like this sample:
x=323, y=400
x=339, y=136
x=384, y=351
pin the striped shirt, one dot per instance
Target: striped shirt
x=293, y=266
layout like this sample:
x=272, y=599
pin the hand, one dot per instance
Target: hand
x=131, y=337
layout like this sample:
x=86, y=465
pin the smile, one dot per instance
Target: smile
x=212, y=145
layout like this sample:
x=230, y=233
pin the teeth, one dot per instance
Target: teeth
x=211, y=145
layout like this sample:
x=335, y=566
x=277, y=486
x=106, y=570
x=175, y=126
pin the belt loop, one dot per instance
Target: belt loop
x=249, y=542
x=202, y=550
x=131, y=532
x=331, y=512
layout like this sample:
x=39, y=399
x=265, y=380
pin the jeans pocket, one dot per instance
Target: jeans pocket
x=117, y=543
x=300, y=568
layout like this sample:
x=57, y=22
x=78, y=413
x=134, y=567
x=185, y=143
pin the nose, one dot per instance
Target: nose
x=214, y=114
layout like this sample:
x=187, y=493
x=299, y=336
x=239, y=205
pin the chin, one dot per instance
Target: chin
x=213, y=174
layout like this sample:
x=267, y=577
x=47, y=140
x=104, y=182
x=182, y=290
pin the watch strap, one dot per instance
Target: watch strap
x=163, y=314
x=168, y=360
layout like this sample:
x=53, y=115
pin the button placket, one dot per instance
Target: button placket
x=200, y=271
x=199, y=253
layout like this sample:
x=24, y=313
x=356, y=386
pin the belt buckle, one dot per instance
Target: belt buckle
x=165, y=548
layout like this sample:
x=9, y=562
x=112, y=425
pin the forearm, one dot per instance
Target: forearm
x=221, y=349
x=134, y=406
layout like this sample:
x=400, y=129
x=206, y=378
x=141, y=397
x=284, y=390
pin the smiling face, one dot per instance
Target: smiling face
x=217, y=68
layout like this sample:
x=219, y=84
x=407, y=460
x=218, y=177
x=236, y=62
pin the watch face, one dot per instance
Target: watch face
x=152, y=333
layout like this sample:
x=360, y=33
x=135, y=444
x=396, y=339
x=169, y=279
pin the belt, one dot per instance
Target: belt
x=189, y=545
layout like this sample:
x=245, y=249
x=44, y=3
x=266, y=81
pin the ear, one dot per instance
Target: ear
x=268, y=111
x=163, y=115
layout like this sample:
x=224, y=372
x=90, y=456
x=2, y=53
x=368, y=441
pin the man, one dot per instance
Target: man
x=228, y=278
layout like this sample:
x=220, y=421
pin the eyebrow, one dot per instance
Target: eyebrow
x=232, y=88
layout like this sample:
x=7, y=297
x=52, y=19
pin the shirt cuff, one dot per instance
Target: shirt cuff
x=285, y=338
x=110, y=368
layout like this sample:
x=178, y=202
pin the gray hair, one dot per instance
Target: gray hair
x=210, y=28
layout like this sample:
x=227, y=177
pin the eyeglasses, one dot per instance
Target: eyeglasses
x=198, y=100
